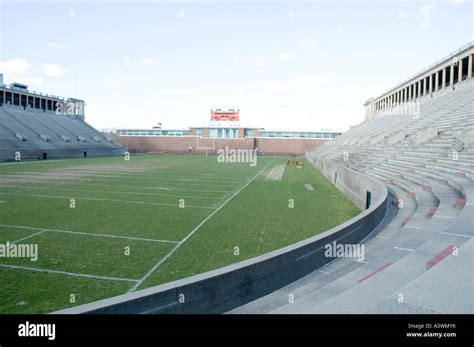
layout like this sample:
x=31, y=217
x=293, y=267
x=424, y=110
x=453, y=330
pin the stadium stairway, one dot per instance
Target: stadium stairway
x=421, y=261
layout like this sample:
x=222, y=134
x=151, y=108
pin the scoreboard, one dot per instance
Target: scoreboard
x=230, y=115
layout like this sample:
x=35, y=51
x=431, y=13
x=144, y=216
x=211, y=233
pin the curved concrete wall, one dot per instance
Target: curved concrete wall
x=352, y=183
x=223, y=289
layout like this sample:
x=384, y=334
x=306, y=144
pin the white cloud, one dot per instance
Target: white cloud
x=402, y=14
x=297, y=85
x=53, y=44
x=457, y=2
x=286, y=56
x=257, y=62
x=52, y=70
x=425, y=13
x=340, y=29
x=254, y=61
x=32, y=81
x=237, y=61
x=307, y=43
x=278, y=88
x=307, y=80
x=149, y=60
x=113, y=81
x=14, y=65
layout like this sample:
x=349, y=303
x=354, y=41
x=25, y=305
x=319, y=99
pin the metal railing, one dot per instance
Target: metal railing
x=27, y=91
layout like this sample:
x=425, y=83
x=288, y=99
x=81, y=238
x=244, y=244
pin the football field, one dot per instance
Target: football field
x=99, y=227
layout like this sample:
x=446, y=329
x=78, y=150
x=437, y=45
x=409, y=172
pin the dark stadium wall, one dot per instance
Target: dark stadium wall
x=266, y=146
x=272, y=146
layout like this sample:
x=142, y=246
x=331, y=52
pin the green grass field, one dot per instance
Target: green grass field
x=148, y=221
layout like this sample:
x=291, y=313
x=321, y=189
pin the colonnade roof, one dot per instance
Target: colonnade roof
x=418, y=75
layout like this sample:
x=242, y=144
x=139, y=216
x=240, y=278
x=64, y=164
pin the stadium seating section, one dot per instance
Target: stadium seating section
x=426, y=160
x=38, y=134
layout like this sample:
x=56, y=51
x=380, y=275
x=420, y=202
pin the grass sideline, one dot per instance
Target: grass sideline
x=128, y=229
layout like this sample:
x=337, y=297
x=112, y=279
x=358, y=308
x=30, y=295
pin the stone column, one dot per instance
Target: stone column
x=469, y=67
x=451, y=75
x=444, y=79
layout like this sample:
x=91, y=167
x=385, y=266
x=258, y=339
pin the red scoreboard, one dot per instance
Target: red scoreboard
x=230, y=115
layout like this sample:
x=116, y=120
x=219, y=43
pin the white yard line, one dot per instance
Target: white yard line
x=270, y=173
x=284, y=168
x=27, y=237
x=101, y=199
x=162, y=175
x=148, y=187
x=67, y=273
x=453, y=234
x=88, y=234
x=175, y=248
x=119, y=192
x=119, y=182
x=404, y=249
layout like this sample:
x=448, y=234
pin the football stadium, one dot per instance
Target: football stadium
x=239, y=219
x=165, y=223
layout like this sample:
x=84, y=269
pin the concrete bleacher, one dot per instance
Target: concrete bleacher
x=422, y=261
x=38, y=134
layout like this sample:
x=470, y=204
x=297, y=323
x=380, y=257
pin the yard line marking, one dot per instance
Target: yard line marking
x=382, y=237
x=462, y=235
x=119, y=192
x=404, y=249
x=175, y=248
x=153, y=175
x=279, y=179
x=143, y=187
x=102, y=199
x=436, y=215
x=27, y=237
x=88, y=234
x=270, y=173
x=323, y=272
x=411, y=227
x=68, y=273
x=118, y=180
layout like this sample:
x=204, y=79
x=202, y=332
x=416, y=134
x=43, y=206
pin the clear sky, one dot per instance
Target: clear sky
x=285, y=65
